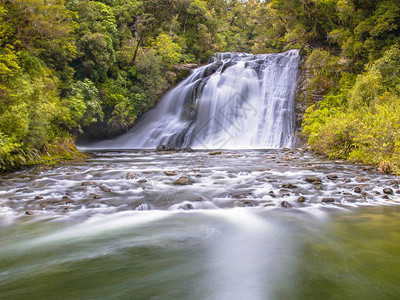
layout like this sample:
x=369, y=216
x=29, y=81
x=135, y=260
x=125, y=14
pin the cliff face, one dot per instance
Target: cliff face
x=308, y=93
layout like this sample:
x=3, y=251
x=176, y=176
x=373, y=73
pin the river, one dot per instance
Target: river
x=114, y=226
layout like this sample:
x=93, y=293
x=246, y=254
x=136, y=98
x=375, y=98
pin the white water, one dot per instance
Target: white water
x=239, y=101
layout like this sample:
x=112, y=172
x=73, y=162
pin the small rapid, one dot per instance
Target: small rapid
x=112, y=182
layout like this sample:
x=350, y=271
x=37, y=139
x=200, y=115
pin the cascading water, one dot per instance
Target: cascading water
x=238, y=101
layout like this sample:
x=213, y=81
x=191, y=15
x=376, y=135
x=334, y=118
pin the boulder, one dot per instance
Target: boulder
x=285, y=204
x=301, y=199
x=388, y=191
x=357, y=189
x=218, y=152
x=187, y=149
x=161, y=148
x=131, y=175
x=105, y=188
x=88, y=183
x=362, y=178
x=332, y=177
x=184, y=180
x=328, y=200
x=171, y=173
x=313, y=180
x=187, y=206
x=289, y=186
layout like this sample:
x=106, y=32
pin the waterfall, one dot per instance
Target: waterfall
x=237, y=101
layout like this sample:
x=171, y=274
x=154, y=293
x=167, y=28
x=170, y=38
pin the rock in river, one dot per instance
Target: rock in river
x=286, y=204
x=328, y=200
x=218, y=152
x=184, y=180
x=131, y=175
x=388, y=191
x=289, y=186
x=313, y=180
x=171, y=173
x=362, y=178
x=301, y=199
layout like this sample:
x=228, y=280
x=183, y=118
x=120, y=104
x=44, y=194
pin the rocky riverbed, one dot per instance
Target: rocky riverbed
x=170, y=180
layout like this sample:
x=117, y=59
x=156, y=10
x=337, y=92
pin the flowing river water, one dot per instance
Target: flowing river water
x=115, y=226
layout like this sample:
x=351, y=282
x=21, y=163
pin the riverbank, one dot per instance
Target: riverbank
x=51, y=154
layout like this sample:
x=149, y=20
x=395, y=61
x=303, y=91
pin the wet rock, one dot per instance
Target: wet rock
x=286, y=204
x=272, y=194
x=218, y=152
x=347, y=180
x=332, y=177
x=397, y=191
x=161, y=148
x=367, y=168
x=385, y=197
x=361, y=178
x=96, y=197
x=29, y=213
x=301, y=199
x=249, y=203
x=328, y=200
x=313, y=180
x=187, y=206
x=43, y=204
x=69, y=201
x=65, y=198
x=105, y=188
x=270, y=157
x=319, y=187
x=131, y=175
x=394, y=182
x=288, y=158
x=171, y=173
x=388, y=191
x=289, y=186
x=142, y=181
x=88, y=183
x=187, y=149
x=286, y=149
x=38, y=197
x=184, y=180
x=357, y=189
x=211, y=69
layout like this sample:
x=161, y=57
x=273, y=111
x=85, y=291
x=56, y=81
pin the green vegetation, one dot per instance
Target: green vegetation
x=69, y=67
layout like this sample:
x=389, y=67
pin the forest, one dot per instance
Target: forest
x=74, y=67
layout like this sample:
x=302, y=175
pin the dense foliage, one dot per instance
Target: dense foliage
x=74, y=66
